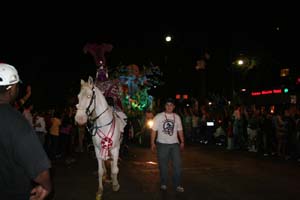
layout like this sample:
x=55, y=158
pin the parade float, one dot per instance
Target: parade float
x=126, y=85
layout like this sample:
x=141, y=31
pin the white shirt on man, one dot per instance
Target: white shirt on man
x=167, y=126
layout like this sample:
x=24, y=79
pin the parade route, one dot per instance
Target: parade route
x=208, y=173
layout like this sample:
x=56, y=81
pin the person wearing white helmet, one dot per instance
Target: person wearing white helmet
x=24, y=168
x=9, y=78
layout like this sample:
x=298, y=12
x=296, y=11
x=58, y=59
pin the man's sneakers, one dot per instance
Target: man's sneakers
x=179, y=189
x=163, y=187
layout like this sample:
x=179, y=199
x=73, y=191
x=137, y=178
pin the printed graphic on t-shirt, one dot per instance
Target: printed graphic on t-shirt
x=168, y=127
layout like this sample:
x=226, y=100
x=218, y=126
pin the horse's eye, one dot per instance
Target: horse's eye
x=89, y=96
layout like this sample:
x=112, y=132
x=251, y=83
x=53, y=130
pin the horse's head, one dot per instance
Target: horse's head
x=85, y=101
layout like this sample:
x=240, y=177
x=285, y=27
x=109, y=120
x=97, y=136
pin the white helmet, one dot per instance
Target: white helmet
x=8, y=75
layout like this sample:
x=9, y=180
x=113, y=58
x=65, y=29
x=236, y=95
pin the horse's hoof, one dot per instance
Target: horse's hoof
x=98, y=197
x=116, y=187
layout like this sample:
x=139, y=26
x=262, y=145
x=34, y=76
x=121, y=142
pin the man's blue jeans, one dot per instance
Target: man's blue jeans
x=165, y=153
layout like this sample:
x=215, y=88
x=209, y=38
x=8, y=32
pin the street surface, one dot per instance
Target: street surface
x=209, y=172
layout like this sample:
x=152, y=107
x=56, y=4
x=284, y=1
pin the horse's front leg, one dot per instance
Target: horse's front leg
x=100, y=174
x=115, y=169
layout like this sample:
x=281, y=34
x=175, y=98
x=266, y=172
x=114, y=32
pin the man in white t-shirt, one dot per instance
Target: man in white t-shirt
x=40, y=127
x=167, y=137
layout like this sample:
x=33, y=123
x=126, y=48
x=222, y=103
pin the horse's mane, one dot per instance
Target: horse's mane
x=85, y=84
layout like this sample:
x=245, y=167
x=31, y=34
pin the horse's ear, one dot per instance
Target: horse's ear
x=81, y=82
x=90, y=81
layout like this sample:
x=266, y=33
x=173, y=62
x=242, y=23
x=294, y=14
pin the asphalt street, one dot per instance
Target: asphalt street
x=209, y=172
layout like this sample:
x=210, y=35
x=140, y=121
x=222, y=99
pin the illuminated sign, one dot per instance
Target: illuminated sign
x=182, y=96
x=255, y=93
x=266, y=92
x=277, y=91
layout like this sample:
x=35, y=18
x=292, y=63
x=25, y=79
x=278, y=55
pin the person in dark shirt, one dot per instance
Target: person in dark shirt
x=24, y=168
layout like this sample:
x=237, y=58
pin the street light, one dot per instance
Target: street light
x=240, y=67
x=168, y=38
x=168, y=41
x=240, y=62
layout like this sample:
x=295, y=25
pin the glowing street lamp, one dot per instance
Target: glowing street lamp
x=168, y=38
x=240, y=62
x=168, y=42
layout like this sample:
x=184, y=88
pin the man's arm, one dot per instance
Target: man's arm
x=181, y=138
x=153, y=136
x=43, y=188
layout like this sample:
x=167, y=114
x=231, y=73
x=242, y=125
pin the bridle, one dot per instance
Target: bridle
x=91, y=121
x=88, y=112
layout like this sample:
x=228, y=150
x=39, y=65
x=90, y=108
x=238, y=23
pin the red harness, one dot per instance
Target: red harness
x=106, y=140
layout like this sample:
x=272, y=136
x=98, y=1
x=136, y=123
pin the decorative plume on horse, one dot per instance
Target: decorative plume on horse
x=98, y=53
x=107, y=127
x=110, y=87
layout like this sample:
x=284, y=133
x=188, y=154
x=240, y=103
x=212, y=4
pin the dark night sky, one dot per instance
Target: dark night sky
x=46, y=47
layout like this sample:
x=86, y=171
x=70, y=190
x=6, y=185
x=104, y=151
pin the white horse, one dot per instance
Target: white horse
x=107, y=127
